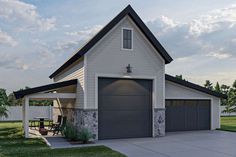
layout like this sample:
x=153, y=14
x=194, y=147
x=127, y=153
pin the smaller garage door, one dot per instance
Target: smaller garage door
x=187, y=115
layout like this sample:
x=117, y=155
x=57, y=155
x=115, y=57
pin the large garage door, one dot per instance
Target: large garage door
x=124, y=108
x=186, y=115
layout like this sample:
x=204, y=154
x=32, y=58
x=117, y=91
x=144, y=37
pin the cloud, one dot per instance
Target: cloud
x=49, y=55
x=219, y=55
x=25, y=16
x=183, y=59
x=66, y=45
x=66, y=26
x=211, y=35
x=12, y=62
x=221, y=77
x=203, y=48
x=85, y=34
x=216, y=20
x=6, y=39
x=162, y=24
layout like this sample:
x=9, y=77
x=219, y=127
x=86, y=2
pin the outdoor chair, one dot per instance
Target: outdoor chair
x=53, y=125
x=59, y=128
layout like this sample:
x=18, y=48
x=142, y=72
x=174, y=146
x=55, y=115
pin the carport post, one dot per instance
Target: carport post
x=26, y=117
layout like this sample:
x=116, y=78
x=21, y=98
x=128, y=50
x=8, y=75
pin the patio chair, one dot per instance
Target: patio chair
x=59, y=128
x=53, y=125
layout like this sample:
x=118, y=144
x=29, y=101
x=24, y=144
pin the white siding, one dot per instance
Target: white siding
x=75, y=71
x=176, y=91
x=107, y=57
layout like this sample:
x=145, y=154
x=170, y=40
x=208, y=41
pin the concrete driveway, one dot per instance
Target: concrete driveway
x=181, y=144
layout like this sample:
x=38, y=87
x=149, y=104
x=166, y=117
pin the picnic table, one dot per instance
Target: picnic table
x=41, y=121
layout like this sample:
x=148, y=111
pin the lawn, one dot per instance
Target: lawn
x=228, y=123
x=12, y=143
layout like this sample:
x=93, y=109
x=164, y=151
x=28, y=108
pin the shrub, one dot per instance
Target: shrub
x=70, y=132
x=85, y=135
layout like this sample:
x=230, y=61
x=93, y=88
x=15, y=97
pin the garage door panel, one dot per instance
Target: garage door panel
x=125, y=102
x=175, y=116
x=191, y=115
x=186, y=115
x=135, y=116
x=203, y=115
x=124, y=87
x=124, y=108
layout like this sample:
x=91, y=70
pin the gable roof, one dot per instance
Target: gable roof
x=137, y=20
x=48, y=87
x=194, y=86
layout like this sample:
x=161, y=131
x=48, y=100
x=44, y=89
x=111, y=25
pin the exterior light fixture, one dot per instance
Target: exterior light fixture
x=129, y=69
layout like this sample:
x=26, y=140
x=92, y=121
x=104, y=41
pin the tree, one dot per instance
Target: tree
x=234, y=84
x=228, y=110
x=179, y=77
x=208, y=85
x=3, y=103
x=13, y=101
x=217, y=87
x=225, y=89
x=232, y=96
x=230, y=102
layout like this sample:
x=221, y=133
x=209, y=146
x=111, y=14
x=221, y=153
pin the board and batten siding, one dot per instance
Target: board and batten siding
x=75, y=71
x=108, y=58
x=176, y=91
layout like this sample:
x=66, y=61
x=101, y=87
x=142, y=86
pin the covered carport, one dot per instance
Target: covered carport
x=56, y=91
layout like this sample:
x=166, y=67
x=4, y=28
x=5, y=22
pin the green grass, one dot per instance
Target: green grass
x=228, y=123
x=12, y=143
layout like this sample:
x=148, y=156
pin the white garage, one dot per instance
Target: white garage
x=188, y=95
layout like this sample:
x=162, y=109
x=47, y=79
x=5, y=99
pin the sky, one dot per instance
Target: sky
x=38, y=36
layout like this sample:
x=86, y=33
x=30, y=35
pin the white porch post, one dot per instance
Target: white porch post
x=26, y=117
x=23, y=116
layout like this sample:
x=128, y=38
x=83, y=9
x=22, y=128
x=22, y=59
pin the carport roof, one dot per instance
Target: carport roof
x=48, y=87
x=194, y=86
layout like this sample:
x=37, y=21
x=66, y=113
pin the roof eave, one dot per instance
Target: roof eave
x=195, y=86
x=48, y=87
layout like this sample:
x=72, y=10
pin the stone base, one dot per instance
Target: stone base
x=83, y=118
x=159, y=122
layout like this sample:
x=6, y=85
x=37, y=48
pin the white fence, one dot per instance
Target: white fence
x=15, y=113
x=222, y=108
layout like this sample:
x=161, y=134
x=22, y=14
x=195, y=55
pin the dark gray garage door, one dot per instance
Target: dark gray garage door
x=124, y=108
x=186, y=115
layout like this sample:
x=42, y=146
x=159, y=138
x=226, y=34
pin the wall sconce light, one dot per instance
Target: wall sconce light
x=129, y=69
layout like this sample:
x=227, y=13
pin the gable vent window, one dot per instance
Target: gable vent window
x=127, y=37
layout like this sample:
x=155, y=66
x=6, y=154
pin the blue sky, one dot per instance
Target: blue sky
x=37, y=36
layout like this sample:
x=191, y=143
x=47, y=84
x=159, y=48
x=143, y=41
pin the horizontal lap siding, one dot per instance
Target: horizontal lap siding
x=76, y=71
x=107, y=57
